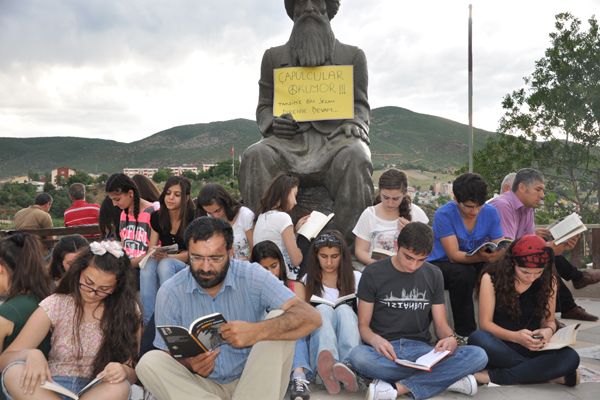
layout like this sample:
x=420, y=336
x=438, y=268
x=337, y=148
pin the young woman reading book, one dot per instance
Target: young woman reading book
x=329, y=276
x=95, y=322
x=517, y=298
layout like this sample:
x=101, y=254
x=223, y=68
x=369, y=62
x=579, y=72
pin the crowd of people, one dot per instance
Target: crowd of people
x=298, y=312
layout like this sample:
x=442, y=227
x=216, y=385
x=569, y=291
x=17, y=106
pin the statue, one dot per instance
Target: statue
x=333, y=154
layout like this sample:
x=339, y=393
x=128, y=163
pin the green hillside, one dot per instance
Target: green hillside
x=398, y=136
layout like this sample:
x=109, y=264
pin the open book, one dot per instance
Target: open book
x=55, y=387
x=426, y=361
x=315, y=223
x=563, y=337
x=349, y=299
x=490, y=247
x=380, y=254
x=202, y=336
x=566, y=228
x=170, y=249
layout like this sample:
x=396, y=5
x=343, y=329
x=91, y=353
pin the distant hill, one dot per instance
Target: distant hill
x=397, y=135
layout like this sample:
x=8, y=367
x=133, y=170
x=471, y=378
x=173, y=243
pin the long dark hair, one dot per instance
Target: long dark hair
x=503, y=274
x=147, y=188
x=121, y=183
x=345, y=273
x=394, y=179
x=268, y=249
x=66, y=244
x=108, y=220
x=22, y=254
x=213, y=193
x=186, y=210
x=121, y=318
x=278, y=192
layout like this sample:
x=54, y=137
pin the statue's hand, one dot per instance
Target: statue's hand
x=285, y=126
x=350, y=130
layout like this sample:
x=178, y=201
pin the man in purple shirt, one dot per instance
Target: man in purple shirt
x=516, y=209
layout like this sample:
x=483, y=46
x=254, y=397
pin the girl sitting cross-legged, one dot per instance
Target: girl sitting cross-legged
x=329, y=275
x=95, y=322
x=517, y=298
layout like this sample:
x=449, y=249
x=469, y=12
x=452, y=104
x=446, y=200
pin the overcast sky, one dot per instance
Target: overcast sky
x=126, y=69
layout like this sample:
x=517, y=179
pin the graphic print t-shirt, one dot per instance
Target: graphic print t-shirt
x=136, y=237
x=401, y=301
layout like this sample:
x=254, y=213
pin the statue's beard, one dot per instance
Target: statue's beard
x=312, y=41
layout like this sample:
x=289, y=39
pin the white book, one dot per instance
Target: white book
x=315, y=223
x=567, y=228
x=55, y=387
x=170, y=249
x=349, y=299
x=563, y=337
x=426, y=361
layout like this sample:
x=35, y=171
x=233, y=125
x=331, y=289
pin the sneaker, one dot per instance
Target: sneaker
x=381, y=390
x=325, y=363
x=344, y=374
x=467, y=385
x=299, y=389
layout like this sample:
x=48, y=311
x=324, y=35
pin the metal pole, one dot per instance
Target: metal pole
x=470, y=89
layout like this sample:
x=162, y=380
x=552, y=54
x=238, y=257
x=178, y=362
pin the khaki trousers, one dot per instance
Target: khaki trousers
x=266, y=375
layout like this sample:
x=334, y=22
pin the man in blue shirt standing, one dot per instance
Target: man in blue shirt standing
x=256, y=359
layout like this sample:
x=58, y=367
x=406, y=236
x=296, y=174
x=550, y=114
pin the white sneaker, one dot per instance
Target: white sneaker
x=467, y=385
x=381, y=390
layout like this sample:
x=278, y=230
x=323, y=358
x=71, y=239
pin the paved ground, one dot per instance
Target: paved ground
x=588, y=338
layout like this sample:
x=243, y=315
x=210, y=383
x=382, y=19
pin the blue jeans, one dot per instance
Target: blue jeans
x=510, y=363
x=422, y=384
x=152, y=276
x=338, y=334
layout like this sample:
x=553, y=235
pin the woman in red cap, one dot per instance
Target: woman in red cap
x=517, y=298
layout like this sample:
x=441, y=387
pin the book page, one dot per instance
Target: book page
x=432, y=357
x=566, y=227
x=319, y=300
x=314, y=224
x=566, y=336
x=55, y=387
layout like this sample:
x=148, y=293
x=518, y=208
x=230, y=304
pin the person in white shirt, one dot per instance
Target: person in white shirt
x=379, y=226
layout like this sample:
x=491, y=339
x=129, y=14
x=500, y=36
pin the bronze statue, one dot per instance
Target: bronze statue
x=333, y=154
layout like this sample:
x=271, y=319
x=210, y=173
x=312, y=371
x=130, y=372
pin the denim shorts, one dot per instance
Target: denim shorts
x=73, y=383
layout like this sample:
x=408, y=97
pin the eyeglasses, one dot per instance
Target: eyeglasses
x=471, y=208
x=395, y=198
x=212, y=260
x=97, y=292
x=327, y=240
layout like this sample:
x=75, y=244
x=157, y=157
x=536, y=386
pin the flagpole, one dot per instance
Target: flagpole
x=233, y=161
x=470, y=89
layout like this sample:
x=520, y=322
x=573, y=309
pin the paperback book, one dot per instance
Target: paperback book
x=200, y=337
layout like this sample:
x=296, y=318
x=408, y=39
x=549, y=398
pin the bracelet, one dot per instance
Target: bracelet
x=453, y=335
x=549, y=327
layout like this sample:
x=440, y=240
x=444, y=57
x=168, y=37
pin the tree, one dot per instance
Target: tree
x=556, y=119
x=190, y=175
x=80, y=177
x=161, y=175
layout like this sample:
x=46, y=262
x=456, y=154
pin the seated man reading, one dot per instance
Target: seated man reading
x=399, y=298
x=256, y=358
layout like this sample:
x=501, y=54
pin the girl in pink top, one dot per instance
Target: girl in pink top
x=95, y=322
x=134, y=227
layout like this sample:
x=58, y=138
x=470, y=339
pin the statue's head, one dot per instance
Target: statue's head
x=312, y=39
x=331, y=6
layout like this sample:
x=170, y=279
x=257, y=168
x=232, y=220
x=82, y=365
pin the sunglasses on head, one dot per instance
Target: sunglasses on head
x=327, y=240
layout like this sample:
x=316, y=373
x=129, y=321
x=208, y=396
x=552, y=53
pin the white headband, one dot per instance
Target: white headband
x=110, y=246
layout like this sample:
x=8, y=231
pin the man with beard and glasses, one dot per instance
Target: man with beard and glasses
x=334, y=153
x=256, y=358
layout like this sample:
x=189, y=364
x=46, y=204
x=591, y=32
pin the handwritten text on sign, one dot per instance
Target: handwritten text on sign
x=315, y=93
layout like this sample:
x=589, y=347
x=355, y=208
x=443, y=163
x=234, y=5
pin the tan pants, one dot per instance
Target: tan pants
x=266, y=375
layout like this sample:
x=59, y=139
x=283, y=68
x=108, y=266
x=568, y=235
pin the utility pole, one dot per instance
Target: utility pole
x=470, y=88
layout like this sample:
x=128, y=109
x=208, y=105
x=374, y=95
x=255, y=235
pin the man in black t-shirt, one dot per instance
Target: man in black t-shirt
x=399, y=298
